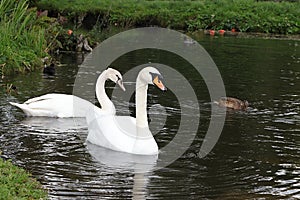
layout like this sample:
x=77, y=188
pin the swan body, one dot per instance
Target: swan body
x=119, y=133
x=233, y=103
x=125, y=133
x=64, y=105
x=54, y=105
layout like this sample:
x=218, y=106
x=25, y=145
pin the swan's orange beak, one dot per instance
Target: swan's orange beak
x=159, y=83
x=120, y=83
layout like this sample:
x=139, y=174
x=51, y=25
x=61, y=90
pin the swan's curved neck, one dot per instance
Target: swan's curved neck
x=141, y=103
x=105, y=102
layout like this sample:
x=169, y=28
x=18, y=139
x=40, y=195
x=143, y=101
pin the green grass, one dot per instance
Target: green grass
x=16, y=183
x=22, y=43
x=25, y=38
x=243, y=15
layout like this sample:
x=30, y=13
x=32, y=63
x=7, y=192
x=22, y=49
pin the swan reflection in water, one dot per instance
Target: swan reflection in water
x=140, y=165
x=48, y=125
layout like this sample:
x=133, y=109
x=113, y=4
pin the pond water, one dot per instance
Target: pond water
x=256, y=157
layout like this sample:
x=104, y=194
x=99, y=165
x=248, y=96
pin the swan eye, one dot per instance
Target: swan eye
x=118, y=78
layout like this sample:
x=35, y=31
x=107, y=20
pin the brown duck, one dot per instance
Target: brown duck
x=233, y=103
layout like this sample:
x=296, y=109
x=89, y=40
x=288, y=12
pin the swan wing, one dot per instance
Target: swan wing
x=45, y=97
x=55, y=105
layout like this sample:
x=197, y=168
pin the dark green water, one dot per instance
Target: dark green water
x=256, y=157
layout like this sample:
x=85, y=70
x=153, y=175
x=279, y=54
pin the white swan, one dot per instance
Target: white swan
x=62, y=105
x=125, y=133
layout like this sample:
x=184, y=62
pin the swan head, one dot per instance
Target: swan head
x=152, y=76
x=115, y=76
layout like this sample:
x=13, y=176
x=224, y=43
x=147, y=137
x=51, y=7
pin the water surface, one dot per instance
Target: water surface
x=257, y=155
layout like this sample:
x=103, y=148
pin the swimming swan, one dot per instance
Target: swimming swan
x=62, y=105
x=125, y=133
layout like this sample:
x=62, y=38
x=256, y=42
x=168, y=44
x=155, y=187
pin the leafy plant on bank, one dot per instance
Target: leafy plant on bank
x=22, y=44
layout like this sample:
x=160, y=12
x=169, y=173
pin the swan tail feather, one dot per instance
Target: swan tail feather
x=23, y=107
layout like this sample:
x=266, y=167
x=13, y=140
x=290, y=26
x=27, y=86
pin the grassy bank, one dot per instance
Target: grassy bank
x=188, y=15
x=22, y=43
x=16, y=183
x=27, y=37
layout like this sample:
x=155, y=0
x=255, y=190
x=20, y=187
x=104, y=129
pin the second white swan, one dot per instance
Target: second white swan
x=63, y=105
x=125, y=133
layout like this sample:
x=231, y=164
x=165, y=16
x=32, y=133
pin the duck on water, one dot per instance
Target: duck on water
x=232, y=103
